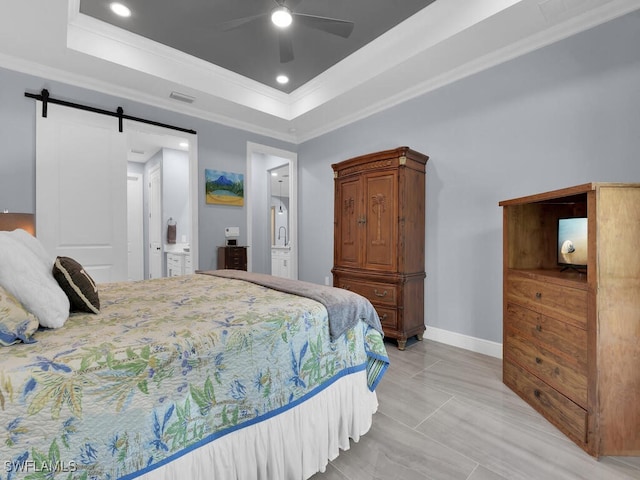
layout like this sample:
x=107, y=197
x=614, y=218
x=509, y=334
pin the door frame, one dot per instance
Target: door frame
x=292, y=159
x=156, y=263
x=139, y=246
x=193, y=176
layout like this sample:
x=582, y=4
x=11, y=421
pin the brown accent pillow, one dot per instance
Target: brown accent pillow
x=77, y=284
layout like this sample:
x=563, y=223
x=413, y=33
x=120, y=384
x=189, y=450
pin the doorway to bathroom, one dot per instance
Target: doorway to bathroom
x=272, y=227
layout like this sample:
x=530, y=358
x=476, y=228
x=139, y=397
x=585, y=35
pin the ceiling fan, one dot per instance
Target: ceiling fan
x=282, y=15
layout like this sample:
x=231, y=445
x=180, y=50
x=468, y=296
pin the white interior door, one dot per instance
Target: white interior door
x=155, y=223
x=81, y=189
x=135, y=226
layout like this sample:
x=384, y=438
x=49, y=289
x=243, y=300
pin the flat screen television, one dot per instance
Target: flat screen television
x=572, y=242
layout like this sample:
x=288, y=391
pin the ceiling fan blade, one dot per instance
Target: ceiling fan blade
x=286, y=47
x=238, y=22
x=342, y=28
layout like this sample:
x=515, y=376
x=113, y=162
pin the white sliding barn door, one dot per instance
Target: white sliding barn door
x=81, y=189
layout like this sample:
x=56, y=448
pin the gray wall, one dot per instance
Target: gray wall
x=561, y=116
x=219, y=147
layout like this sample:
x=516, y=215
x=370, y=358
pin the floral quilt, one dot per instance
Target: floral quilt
x=167, y=365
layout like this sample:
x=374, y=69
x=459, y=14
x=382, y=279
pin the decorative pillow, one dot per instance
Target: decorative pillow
x=77, y=284
x=26, y=277
x=16, y=324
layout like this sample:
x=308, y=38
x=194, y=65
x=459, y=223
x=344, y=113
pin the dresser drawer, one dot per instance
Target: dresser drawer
x=377, y=293
x=173, y=260
x=566, y=303
x=234, y=258
x=555, y=407
x=560, y=337
x=548, y=366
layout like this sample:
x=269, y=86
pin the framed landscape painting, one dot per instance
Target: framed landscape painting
x=224, y=188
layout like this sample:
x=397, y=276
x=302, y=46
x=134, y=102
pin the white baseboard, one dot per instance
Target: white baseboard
x=479, y=345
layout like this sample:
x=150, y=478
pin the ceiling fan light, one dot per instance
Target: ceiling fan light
x=281, y=17
x=120, y=9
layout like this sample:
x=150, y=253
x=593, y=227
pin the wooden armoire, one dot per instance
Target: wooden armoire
x=379, y=236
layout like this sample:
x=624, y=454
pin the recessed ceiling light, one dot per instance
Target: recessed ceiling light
x=184, y=144
x=120, y=9
x=281, y=17
x=274, y=174
x=282, y=79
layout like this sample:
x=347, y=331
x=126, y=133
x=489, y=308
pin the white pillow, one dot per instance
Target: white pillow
x=34, y=245
x=26, y=276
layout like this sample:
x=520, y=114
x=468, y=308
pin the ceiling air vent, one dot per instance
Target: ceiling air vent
x=182, y=97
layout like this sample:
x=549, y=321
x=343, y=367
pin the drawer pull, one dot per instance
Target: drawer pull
x=384, y=294
x=383, y=317
x=538, y=295
x=536, y=393
x=539, y=328
x=538, y=360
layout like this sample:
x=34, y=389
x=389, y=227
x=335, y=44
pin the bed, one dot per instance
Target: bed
x=207, y=375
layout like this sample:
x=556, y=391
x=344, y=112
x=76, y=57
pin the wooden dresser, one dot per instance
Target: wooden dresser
x=232, y=258
x=379, y=236
x=572, y=338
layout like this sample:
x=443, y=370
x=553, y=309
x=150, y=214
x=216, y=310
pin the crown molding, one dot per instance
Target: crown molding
x=555, y=33
x=422, y=31
x=107, y=88
x=107, y=42
x=367, y=82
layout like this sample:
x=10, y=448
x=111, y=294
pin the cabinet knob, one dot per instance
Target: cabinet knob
x=383, y=317
x=538, y=360
x=536, y=392
x=538, y=295
x=378, y=294
x=539, y=328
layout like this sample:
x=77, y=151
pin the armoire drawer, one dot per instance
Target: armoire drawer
x=555, y=407
x=558, y=301
x=388, y=317
x=570, y=380
x=377, y=293
x=564, y=338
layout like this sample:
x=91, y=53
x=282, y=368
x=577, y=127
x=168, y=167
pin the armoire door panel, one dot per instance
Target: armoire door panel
x=349, y=212
x=380, y=198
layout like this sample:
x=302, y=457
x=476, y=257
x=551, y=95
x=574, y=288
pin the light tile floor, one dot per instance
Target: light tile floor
x=445, y=414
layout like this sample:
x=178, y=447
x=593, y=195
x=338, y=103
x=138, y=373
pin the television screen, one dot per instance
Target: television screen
x=572, y=241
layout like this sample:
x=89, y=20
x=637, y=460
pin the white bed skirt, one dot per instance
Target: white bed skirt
x=293, y=445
